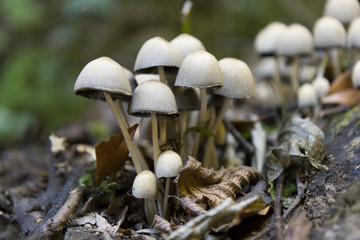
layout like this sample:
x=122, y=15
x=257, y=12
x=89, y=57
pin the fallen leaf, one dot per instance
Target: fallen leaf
x=299, y=226
x=300, y=141
x=190, y=207
x=210, y=187
x=348, y=97
x=111, y=155
x=341, y=82
x=161, y=224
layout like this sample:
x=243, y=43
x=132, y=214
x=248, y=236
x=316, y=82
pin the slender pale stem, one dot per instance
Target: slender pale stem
x=335, y=61
x=201, y=122
x=155, y=138
x=125, y=132
x=323, y=64
x=122, y=113
x=166, y=200
x=207, y=156
x=295, y=75
x=162, y=75
x=150, y=210
x=162, y=125
x=277, y=78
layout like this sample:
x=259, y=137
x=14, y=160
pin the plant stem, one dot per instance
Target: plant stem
x=323, y=64
x=154, y=129
x=202, y=118
x=277, y=77
x=162, y=75
x=125, y=132
x=166, y=200
x=295, y=75
x=335, y=62
x=150, y=210
x=162, y=125
x=122, y=113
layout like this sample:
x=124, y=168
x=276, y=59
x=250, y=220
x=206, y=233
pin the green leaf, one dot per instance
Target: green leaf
x=201, y=130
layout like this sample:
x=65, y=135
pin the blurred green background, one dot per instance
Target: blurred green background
x=45, y=44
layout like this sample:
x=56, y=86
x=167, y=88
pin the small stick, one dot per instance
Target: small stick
x=246, y=146
x=278, y=207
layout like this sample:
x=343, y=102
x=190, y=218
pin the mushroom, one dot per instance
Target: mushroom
x=307, y=100
x=168, y=166
x=322, y=86
x=329, y=34
x=356, y=75
x=354, y=38
x=145, y=187
x=238, y=83
x=155, y=99
x=199, y=69
x=187, y=44
x=103, y=78
x=343, y=10
x=296, y=41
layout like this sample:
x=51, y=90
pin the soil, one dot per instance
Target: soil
x=32, y=189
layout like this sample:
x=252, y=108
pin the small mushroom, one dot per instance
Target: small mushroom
x=105, y=79
x=343, y=10
x=307, y=100
x=145, y=187
x=322, y=86
x=356, y=75
x=199, y=69
x=354, y=38
x=187, y=44
x=168, y=166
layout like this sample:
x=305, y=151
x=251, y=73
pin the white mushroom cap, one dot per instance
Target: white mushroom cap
x=329, y=32
x=238, y=79
x=307, y=96
x=322, y=86
x=354, y=33
x=131, y=78
x=187, y=98
x=356, y=75
x=102, y=74
x=267, y=39
x=267, y=95
x=145, y=185
x=307, y=73
x=199, y=69
x=168, y=164
x=266, y=67
x=153, y=97
x=343, y=10
x=296, y=40
x=143, y=77
x=187, y=44
x=157, y=52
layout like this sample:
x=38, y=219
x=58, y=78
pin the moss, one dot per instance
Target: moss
x=344, y=120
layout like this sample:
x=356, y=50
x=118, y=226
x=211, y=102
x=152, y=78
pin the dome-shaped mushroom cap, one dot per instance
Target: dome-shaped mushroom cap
x=199, y=69
x=157, y=52
x=168, y=164
x=356, y=75
x=267, y=39
x=153, y=97
x=307, y=95
x=187, y=98
x=267, y=94
x=143, y=77
x=238, y=79
x=321, y=85
x=329, y=32
x=102, y=74
x=187, y=44
x=343, y=10
x=145, y=185
x=296, y=40
x=131, y=77
x=354, y=33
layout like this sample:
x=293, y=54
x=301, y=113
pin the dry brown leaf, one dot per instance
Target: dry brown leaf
x=348, y=97
x=210, y=187
x=161, y=224
x=190, y=207
x=341, y=82
x=111, y=155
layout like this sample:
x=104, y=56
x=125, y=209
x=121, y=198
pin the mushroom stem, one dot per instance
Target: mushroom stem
x=182, y=122
x=125, y=132
x=122, y=113
x=207, y=158
x=295, y=75
x=162, y=76
x=323, y=64
x=166, y=195
x=150, y=210
x=202, y=117
x=335, y=61
x=154, y=129
x=162, y=126
x=277, y=78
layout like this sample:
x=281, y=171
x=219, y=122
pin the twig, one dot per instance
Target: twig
x=300, y=194
x=278, y=207
x=245, y=145
x=59, y=220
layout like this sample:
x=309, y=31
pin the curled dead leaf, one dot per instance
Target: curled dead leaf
x=341, y=82
x=111, y=155
x=161, y=224
x=190, y=207
x=210, y=187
